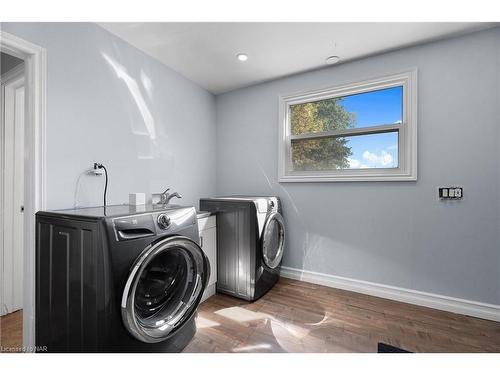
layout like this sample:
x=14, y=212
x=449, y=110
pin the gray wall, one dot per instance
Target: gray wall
x=394, y=233
x=7, y=62
x=165, y=136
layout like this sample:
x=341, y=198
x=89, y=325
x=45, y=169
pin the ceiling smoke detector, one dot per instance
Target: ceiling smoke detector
x=242, y=56
x=330, y=60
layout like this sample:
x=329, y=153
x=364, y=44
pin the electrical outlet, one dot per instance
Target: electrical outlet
x=95, y=171
x=450, y=193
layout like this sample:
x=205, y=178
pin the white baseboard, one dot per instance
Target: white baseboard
x=415, y=297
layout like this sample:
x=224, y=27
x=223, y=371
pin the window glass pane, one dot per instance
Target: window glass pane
x=355, y=152
x=381, y=107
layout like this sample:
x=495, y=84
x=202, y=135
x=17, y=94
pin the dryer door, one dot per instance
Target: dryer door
x=164, y=288
x=273, y=240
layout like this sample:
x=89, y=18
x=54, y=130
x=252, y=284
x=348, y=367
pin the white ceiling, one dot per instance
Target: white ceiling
x=206, y=52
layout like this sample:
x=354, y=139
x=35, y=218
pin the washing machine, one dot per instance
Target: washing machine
x=118, y=279
x=250, y=243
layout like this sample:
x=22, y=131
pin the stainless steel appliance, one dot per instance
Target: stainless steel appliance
x=118, y=279
x=250, y=243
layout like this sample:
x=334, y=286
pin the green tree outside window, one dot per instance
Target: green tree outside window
x=320, y=153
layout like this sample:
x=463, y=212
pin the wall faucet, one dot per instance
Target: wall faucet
x=165, y=197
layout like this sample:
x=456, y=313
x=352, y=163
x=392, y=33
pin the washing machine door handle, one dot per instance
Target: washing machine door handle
x=272, y=256
x=164, y=288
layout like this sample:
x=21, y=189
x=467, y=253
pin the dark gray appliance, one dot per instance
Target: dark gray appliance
x=250, y=243
x=118, y=279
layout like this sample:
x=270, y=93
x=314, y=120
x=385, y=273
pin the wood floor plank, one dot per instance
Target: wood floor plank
x=11, y=332
x=301, y=317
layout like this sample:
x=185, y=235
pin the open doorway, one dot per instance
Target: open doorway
x=12, y=113
x=22, y=185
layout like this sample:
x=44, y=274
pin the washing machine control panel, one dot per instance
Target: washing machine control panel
x=163, y=221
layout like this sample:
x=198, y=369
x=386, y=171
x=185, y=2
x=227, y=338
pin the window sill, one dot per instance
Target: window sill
x=360, y=177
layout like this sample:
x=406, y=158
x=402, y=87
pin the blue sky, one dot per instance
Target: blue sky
x=375, y=108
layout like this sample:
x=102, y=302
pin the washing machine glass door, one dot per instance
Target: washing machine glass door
x=164, y=288
x=273, y=240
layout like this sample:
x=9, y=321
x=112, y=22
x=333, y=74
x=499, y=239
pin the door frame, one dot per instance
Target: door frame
x=10, y=81
x=35, y=64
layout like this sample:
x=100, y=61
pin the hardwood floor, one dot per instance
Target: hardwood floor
x=300, y=317
x=11, y=332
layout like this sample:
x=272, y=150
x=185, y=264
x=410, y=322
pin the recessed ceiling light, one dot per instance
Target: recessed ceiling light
x=242, y=56
x=330, y=60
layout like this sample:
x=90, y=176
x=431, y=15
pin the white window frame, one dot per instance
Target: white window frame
x=407, y=132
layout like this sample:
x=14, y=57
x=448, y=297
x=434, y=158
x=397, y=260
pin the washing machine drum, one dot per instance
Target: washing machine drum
x=273, y=240
x=164, y=288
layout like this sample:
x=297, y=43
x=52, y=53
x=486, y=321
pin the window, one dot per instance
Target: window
x=359, y=132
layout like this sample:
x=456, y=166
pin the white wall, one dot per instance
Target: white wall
x=394, y=233
x=164, y=136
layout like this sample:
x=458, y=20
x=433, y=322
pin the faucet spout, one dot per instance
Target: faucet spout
x=173, y=195
x=165, y=197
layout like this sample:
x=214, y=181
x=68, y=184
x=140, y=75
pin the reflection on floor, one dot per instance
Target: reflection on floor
x=11, y=332
x=301, y=317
